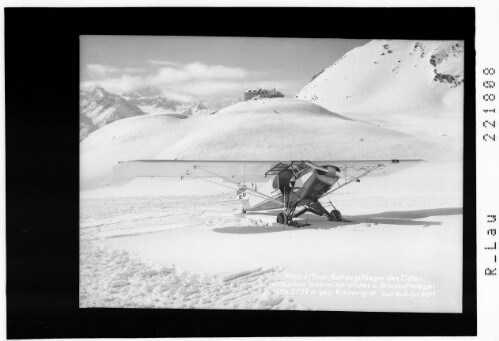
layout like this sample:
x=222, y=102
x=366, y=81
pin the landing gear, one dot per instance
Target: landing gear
x=282, y=219
x=335, y=215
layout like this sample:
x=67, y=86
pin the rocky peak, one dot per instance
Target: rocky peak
x=99, y=93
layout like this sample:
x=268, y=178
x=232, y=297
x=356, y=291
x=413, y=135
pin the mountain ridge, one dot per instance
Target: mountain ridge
x=391, y=76
x=100, y=107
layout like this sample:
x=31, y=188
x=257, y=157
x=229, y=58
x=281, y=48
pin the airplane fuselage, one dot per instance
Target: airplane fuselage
x=317, y=183
x=313, y=188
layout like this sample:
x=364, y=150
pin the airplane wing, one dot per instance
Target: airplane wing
x=235, y=171
x=246, y=171
x=361, y=168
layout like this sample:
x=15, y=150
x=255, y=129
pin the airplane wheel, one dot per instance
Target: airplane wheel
x=281, y=219
x=336, y=215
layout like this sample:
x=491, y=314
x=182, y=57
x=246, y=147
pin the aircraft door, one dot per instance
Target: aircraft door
x=283, y=181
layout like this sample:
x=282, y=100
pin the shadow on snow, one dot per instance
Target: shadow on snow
x=404, y=218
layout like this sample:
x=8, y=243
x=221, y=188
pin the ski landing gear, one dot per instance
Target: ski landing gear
x=335, y=215
x=282, y=219
x=286, y=218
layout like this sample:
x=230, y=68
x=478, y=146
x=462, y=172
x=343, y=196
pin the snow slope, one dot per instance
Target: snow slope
x=273, y=129
x=411, y=86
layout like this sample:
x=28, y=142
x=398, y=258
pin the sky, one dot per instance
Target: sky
x=195, y=68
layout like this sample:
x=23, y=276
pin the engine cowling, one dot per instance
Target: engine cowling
x=331, y=170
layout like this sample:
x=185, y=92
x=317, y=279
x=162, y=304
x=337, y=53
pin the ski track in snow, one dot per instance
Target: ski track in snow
x=113, y=277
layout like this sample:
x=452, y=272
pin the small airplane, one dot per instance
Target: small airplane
x=300, y=184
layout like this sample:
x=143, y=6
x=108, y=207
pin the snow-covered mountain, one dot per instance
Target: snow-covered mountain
x=411, y=86
x=154, y=104
x=99, y=107
x=270, y=129
x=150, y=100
x=394, y=99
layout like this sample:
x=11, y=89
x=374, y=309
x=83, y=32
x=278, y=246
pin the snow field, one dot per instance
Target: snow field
x=408, y=223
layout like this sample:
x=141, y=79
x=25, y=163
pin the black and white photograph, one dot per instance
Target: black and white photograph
x=256, y=169
x=257, y=173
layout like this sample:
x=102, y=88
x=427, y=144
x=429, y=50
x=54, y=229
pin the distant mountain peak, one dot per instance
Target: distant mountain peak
x=146, y=91
x=101, y=108
x=99, y=92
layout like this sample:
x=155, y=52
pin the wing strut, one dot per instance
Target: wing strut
x=240, y=187
x=354, y=179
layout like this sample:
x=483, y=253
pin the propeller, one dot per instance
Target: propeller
x=338, y=173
